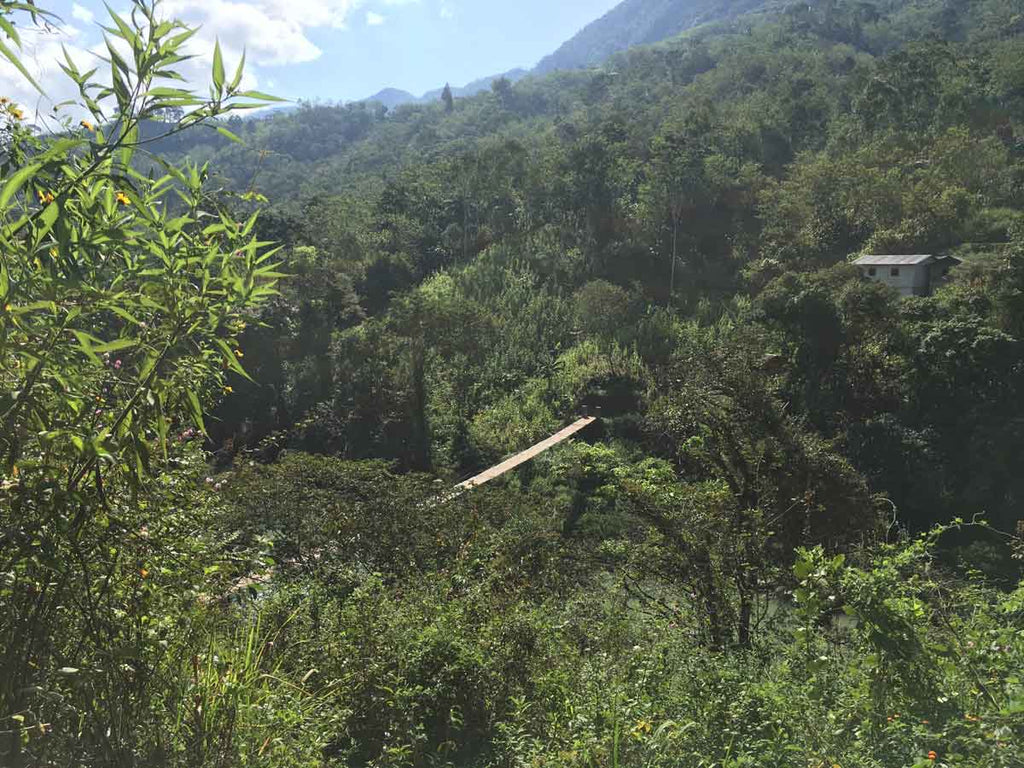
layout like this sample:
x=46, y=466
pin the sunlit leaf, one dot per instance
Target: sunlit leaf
x=218, y=66
x=228, y=134
x=259, y=95
x=16, y=182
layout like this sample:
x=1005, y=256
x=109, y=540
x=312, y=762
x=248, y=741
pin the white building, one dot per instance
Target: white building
x=910, y=275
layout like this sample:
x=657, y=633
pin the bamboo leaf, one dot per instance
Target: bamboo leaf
x=237, y=79
x=161, y=425
x=16, y=182
x=124, y=31
x=192, y=400
x=115, y=346
x=176, y=41
x=218, y=66
x=123, y=313
x=162, y=92
x=229, y=135
x=260, y=95
x=230, y=359
x=116, y=59
x=85, y=344
x=47, y=218
x=12, y=57
x=10, y=30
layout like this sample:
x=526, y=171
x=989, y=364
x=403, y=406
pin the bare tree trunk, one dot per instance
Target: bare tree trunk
x=746, y=611
x=675, y=244
x=421, y=448
x=714, y=603
x=465, y=227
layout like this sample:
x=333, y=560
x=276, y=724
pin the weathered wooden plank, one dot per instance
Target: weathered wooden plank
x=521, y=458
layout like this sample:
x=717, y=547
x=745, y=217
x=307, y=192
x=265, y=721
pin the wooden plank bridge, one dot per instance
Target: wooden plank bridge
x=521, y=458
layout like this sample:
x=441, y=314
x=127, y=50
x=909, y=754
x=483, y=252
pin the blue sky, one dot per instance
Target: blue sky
x=349, y=49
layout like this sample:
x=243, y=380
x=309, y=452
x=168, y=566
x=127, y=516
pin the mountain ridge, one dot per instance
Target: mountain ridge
x=638, y=22
x=630, y=23
x=396, y=97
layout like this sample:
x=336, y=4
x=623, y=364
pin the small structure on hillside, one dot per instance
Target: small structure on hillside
x=916, y=275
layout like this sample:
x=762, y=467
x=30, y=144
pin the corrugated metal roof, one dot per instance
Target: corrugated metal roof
x=885, y=261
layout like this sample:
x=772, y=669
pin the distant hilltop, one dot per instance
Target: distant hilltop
x=395, y=97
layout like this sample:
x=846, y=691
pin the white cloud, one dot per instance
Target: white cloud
x=82, y=13
x=271, y=32
x=42, y=55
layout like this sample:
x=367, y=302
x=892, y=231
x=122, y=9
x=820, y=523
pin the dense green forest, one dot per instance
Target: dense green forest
x=243, y=357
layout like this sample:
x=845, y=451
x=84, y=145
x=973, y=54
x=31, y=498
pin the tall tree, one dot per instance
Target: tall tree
x=675, y=184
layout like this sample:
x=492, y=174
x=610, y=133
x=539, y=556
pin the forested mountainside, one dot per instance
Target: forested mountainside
x=764, y=153
x=235, y=398
x=639, y=22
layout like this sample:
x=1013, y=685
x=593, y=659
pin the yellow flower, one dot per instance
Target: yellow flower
x=122, y=198
x=88, y=126
x=16, y=113
x=238, y=354
x=7, y=307
x=228, y=390
x=143, y=573
x=641, y=728
x=44, y=197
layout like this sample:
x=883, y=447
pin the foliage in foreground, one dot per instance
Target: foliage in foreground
x=473, y=637
x=121, y=296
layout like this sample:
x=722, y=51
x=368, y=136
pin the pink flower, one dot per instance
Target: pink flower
x=117, y=365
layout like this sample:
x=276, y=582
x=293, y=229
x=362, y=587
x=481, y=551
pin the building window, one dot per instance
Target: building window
x=872, y=272
x=895, y=272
